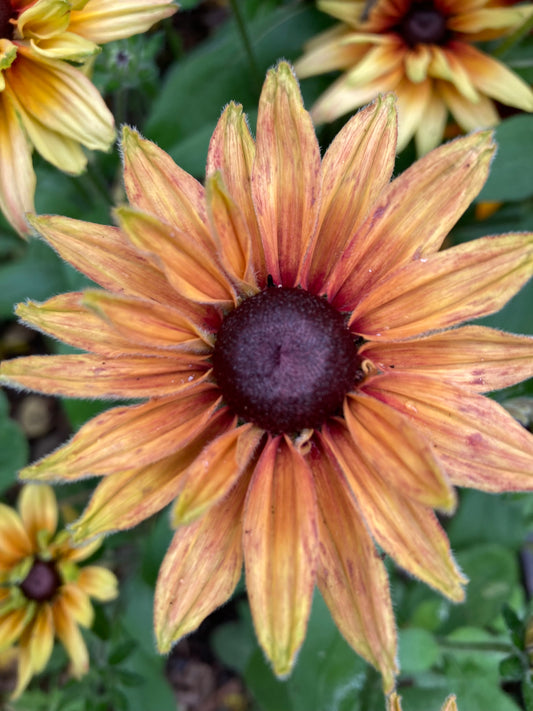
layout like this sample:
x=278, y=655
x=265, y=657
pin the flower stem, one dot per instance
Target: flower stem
x=245, y=37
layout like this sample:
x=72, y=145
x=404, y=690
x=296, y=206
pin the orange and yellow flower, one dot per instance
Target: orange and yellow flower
x=45, y=101
x=394, y=703
x=43, y=590
x=290, y=326
x=424, y=52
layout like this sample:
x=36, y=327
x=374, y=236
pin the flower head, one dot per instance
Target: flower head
x=424, y=52
x=289, y=325
x=43, y=590
x=45, y=101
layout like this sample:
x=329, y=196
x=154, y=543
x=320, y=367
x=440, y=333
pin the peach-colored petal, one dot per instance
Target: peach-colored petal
x=102, y=21
x=97, y=582
x=93, y=376
x=286, y=175
x=465, y=282
x=280, y=550
x=480, y=444
x=469, y=115
x=481, y=358
x=398, y=451
x=201, y=568
x=38, y=511
x=406, y=530
x=77, y=604
x=16, y=544
x=446, y=66
x=485, y=18
x=328, y=52
x=356, y=168
x=12, y=625
x=39, y=638
x=412, y=104
x=69, y=634
x=142, y=434
x=414, y=215
x=214, y=472
x=189, y=268
x=351, y=576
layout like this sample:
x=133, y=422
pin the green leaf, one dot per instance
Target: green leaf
x=511, y=668
x=515, y=626
x=418, y=650
x=527, y=692
x=14, y=448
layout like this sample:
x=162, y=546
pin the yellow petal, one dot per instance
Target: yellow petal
x=406, y=530
x=351, y=576
x=68, y=632
x=200, y=570
x=350, y=12
x=447, y=65
x=97, y=582
x=280, y=550
x=77, y=604
x=416, y=63
x=413, y=100
x=430, y=131
x=328, y=51
x=40, y=638
x=480, y=358
x=16, y=543
x=67, y=45
x=469, y=115
x=286, y=175
x=13, y=623
x=487, y=18
x=44, y=18
x=468, y=281
x=38, y=510
x=24, y=670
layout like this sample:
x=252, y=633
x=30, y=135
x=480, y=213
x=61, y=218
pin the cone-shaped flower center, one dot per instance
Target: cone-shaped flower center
x=6, y=13
x=284, y=360
x=41, y=582
x=424, y=24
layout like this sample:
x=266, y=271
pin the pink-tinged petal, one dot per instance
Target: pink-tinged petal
x=201, y=568
x=408, y=531
x=12, y=625
x=148, y=323
x=469, y=115
x=70, y=636
x=398, y=451
x=232, y=152
x=280, y=550
x=93, y=376
x=351, y=576
x=413, y=216
x=17, y=179
x=478, y=442
x=286, y=175
x=356, y=168
x=214, y=472
x=16, y=544
x=174, y=196
x=38, y=511
x=465, y=282
x=189, y=268
x=142, y=434
x=480, y=358
x=77, y=604
x=97, y=582
x=39, y=638
x=127, y=497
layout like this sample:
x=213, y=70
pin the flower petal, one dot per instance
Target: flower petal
x=280, y=549
x=286, y=175
x=16, y=543
x=406, y=530
x=392, y=446
x=97, y=582
x=479, y=443
x=201, y=568
x=77, y=604
x=469, y=115
x=102, y=21
x=430, y=131
x=413, y=100
x=351, y=576
x=481, y=358
x=38, y=511
x=39, y=638
x=464, y=282
x=69, y=634
x=13, y=623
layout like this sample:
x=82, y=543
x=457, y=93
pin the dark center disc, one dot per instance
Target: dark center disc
x=284, y=360
x=424, y=24
x=6, y=13
x=42, y=581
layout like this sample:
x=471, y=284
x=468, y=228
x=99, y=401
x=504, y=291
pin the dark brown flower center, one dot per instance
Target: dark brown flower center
x=284, y=360
x=6, y=14
x=424, y=24
x=42, y=581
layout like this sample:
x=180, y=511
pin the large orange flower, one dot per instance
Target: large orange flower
x=45, y=101
x=290, y=325
x=423, y=51
x=43, y=590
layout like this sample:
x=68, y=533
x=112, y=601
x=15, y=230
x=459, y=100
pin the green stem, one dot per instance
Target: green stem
x=513, y=39
x=245, y=37
x=476, y=646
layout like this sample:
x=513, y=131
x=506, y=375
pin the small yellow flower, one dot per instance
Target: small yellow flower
x=424, y=52
x=394, y=703
x=291, y=329
x=45, y=101
x=43, y=591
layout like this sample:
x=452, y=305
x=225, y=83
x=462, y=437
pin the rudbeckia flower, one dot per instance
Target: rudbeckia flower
x=394, y=703
x=43, y=590
x=424, y=52
x=45, y=101
x=289, y=326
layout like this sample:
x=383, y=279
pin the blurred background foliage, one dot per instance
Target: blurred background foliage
x=172, y=84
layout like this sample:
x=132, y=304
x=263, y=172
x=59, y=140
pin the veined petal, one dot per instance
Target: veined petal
x=44, y=18
x=102, y=21
x=16, y=543
x=68, y=632
x=214, y=472
x=39, y=638
x=93, y=376
x=98, y=582
x=351, y=576
x=478, y=441
x=406, y=530
x=356, y=168
x=201, y=568
x=232, y=152
x=67, y=45
x=481, y=358
x=142, y=433
x=398, y=451
x=469, y=115
x=414, y=214
x=286, y=175
x=189, y=268
x=38, y=511
x=464, y=282
x=280, y=550
x=77, y=604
